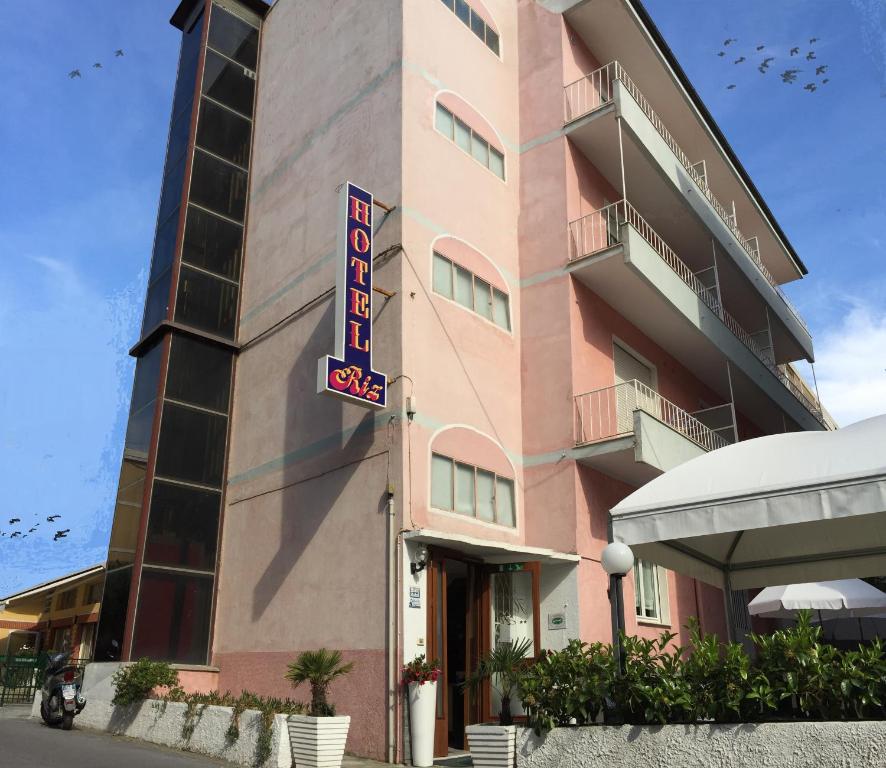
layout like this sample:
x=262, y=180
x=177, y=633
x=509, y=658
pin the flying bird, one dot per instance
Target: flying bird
x=821, y=70
x=730, y=87
x=15, y=534
x=31, y=530
x=826, y=80
x=813, y=40
x=795, y=51
x=721, y=54
x=760, y=47
x=52, y=518
x=97, y=65
x=768, y=60
x=729, y=41
x=61, y=534
x=74, y=73
x=810, y=56
x=809, y=87
x=118, y=52
x=15, y=520
x=739, y=60
x=789, y=75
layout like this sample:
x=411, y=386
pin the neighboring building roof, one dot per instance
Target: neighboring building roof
x=54, y=583
x=659, y=40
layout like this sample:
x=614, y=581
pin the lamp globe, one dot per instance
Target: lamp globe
x=617, y=559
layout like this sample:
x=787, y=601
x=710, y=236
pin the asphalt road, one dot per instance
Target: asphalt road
x=30, y=744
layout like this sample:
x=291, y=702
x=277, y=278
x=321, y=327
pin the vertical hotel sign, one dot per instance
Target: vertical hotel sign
x=349, y=373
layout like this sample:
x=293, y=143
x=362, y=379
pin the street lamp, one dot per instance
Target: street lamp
x=617, y=560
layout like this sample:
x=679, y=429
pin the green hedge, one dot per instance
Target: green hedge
x=793, y=675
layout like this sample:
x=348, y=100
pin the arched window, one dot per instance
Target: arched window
x=479, y=141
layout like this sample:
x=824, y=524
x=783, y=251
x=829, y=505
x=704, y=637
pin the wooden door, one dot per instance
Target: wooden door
x=436, y=646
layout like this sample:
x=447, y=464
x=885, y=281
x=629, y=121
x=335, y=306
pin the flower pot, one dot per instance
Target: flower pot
x=422, y=719
x=492, y=746
x=318, y=742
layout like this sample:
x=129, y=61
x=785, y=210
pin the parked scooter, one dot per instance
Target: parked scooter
x=60, y=697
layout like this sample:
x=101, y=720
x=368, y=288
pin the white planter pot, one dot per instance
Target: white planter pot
x=318, y=742
x=492, y=746
x=422, y=719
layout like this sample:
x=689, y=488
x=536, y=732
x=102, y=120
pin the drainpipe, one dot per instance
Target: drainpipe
x=393, y=666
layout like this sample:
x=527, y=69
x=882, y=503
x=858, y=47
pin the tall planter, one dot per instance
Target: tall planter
x=492, y=746
x=318, y=742
x=422, y=719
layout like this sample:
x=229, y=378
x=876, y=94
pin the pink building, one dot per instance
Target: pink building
x=577, y=288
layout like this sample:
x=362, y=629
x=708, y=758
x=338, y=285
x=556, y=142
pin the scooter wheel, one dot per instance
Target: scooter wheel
x=43, y=713
x=67, y=721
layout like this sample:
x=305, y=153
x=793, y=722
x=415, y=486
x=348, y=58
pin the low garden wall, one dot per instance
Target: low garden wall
x=858, y=744
x=204, y=729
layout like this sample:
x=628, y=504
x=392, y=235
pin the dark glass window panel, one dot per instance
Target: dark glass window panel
x=492, y=40
x=172, y=618
x=199, y=373
x=233, y=37
x=224, y=133
x=171, y=195
x=164, y=246
x=463, y=11
x=147, y=375
x=112, y=621
x=478, y=26
x=183, y=526
x=186, y=80
x=448, y=4
x=178, y=137
x=218, y=186
x=227, y=82
x=157, y=301
x=138, y=432
x=206, y=302
x=192, y=445
x=124, y=532
x=212, y=243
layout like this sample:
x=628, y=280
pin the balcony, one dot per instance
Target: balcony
x=620, y=257
x=630, y=432
x=662, y=179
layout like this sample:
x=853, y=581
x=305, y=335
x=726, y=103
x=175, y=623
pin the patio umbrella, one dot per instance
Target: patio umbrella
x=845, y=598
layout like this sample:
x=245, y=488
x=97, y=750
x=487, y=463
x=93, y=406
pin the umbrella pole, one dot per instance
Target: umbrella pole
x=860, y=630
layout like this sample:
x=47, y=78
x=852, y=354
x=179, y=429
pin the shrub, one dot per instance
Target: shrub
x=421, y=671
x=794, y=676
x=135, y=682
x=504, y=667
x=319, y=669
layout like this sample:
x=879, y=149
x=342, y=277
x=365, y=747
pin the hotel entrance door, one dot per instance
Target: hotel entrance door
x=470, y=607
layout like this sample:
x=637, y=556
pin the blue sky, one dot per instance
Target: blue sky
x=83, y=160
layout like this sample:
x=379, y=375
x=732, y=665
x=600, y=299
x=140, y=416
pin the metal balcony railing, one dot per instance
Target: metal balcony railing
x=595, y=90
x=602, y=229
x=609, y=412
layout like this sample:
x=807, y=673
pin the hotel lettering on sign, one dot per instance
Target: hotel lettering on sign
x=349, y=374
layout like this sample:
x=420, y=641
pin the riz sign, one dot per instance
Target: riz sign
x=349, y=374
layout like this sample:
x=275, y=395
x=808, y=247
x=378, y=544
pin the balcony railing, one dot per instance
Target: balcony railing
x=609, y=412
x=595, y=90
x=602, y=229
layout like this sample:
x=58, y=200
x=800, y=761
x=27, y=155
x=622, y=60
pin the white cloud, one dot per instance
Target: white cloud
x=851, y=363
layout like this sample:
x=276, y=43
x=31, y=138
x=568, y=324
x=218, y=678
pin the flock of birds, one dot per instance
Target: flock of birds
x=74, y=73
x=18, y=534
x=790, y=74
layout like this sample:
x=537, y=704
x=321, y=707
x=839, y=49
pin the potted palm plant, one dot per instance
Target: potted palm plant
x=420, y=678
x=318, y=739
x=492, y=745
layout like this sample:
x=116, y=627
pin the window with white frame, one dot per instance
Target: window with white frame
x=471, y=491
x=472, y=292
x=471, y=19
x=469, y=141
x=651, y=592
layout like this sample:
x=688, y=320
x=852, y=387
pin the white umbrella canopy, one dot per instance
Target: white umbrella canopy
x=772, y=510
x=844, y=598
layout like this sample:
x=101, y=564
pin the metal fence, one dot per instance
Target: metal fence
x=595, y=90
x=609, y=412
x=22, y=676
